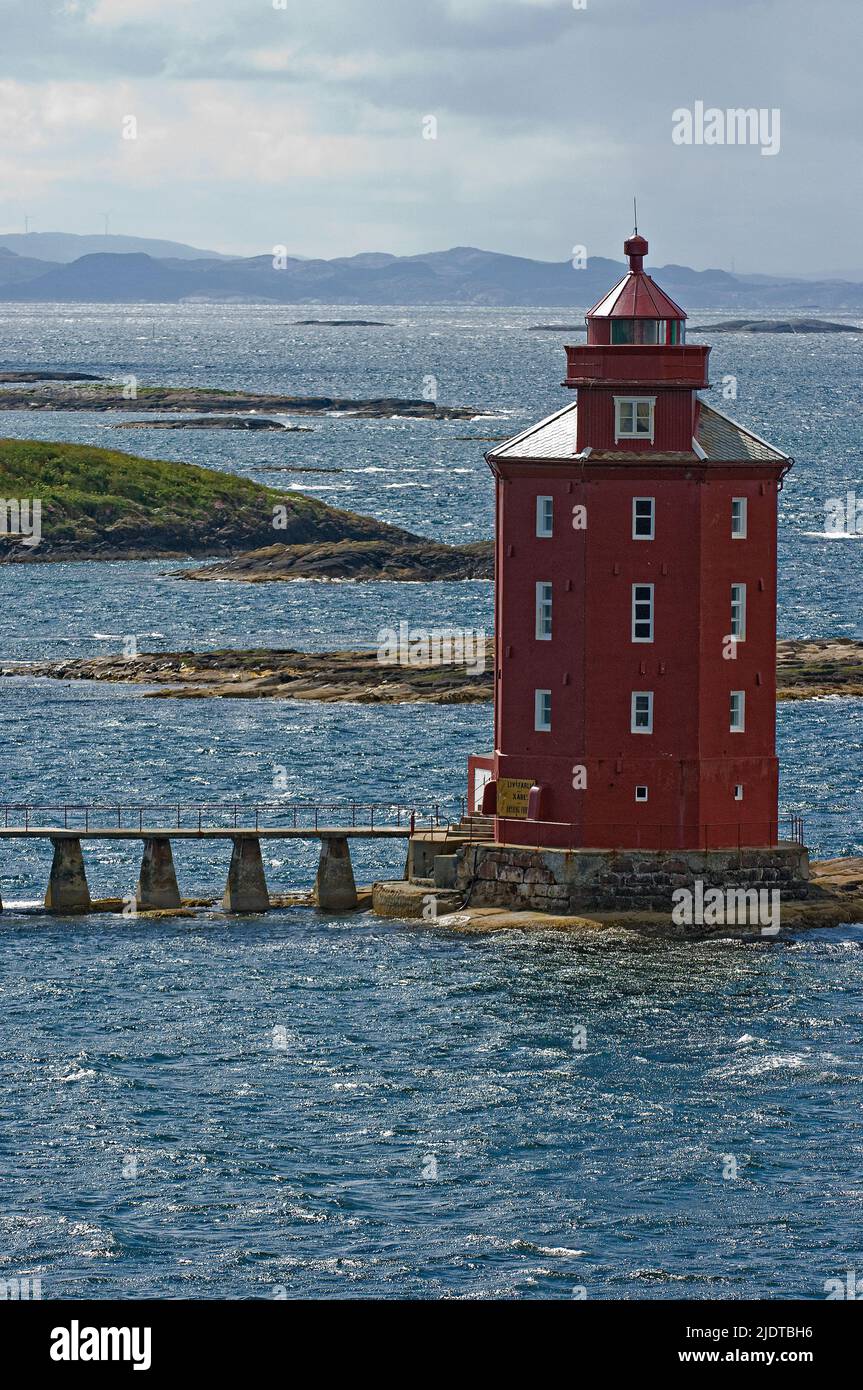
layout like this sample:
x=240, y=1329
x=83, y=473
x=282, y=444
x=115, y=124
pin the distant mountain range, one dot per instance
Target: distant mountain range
x=128, y=270
x=68, y=246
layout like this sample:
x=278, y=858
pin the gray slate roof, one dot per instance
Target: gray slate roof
x=725, y=440
x=722, y=439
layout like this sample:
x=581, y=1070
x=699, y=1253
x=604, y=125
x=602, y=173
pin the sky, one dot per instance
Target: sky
x=333, y=127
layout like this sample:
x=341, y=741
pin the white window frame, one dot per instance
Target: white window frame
x=737, y=712
x=641, y=728
x=541, y=723
x=545, y=517
x=642, y=788
x=739, y=518
x=635, y=402
x=543, y=610
x=738, y=612
x=635, y=604
x=738, y=791
x=636, y=534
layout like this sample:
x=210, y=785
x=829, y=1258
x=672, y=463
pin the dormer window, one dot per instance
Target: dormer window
x=633, y=417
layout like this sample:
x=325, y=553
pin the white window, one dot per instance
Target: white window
x=738, y=711
x=642, y=712
x=641, y=793
x=643, y=518
x=642, y=612
x=633, y=417
x=542, y=711
x=738, y=518
x=545, y=516
x=738, y=791
x=543, y=612
x=738, y=612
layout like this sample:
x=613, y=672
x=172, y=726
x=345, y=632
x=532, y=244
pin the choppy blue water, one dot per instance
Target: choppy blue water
x=358, y=1108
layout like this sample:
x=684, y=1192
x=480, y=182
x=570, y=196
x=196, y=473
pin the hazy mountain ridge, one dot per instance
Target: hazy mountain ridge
x=62, y=247
x=462, y=275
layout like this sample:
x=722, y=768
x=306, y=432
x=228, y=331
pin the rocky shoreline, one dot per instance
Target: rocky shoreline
x=51, y=394
x=805, y=670
x=353, y=559
x=835, y=899
x=102, y=504
x=38, y=374
x=215, y=422
x=272, y=674
x=775, y=326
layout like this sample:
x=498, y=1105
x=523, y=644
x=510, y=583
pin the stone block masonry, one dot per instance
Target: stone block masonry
x=578, y=881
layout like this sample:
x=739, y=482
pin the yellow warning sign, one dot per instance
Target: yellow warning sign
x=512, y=797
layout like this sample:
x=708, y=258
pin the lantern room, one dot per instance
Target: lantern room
x=636, y=311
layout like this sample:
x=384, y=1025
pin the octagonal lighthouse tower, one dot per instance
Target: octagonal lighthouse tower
x=635, y=624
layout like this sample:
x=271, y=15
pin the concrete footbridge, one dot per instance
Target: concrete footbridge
x=334, y=824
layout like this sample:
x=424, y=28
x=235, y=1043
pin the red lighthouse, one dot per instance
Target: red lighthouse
x=635, y=625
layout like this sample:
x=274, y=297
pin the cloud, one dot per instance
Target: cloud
x=549, y=118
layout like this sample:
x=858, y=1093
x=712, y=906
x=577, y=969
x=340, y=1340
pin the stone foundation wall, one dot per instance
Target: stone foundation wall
x=576, y=881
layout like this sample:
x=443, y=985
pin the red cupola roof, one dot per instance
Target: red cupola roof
x=636, y=296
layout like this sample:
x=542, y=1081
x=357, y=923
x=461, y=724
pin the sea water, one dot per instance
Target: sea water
x=304, y=1105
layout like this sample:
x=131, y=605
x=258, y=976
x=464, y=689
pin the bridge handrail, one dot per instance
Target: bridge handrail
x=129, y=815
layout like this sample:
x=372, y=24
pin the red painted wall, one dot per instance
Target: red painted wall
x=674, y=420
x=691, y=761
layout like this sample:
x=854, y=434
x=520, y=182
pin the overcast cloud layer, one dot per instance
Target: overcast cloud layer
x=303, y=125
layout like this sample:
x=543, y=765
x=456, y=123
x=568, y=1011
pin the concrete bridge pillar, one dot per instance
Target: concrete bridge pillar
x=246, y=889
x=335, y=889
x=67, y=886
x=157, y=883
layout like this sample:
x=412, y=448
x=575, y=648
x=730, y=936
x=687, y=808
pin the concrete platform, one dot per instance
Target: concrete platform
x=836, y=900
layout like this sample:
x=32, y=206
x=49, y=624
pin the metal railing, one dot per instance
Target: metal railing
x=632, y=835
x=224, y=815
